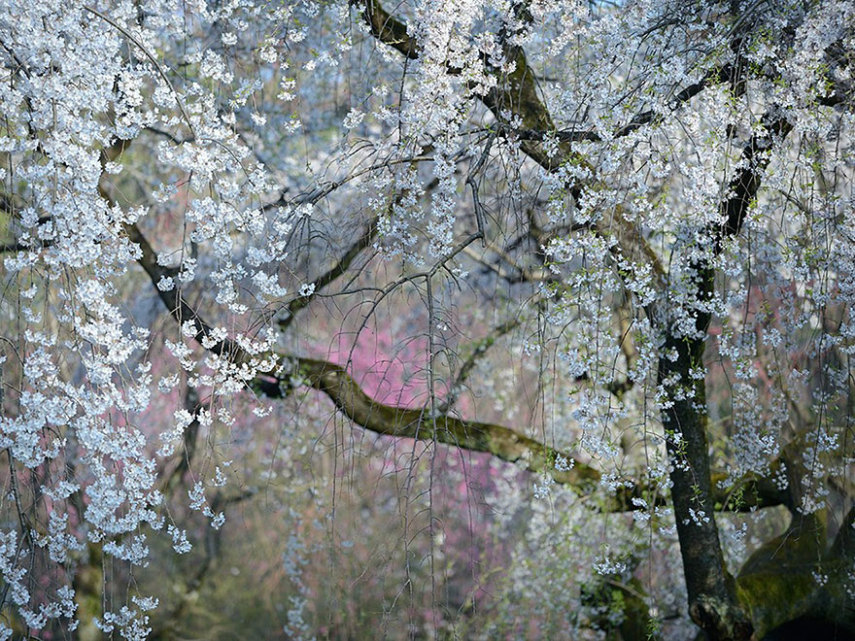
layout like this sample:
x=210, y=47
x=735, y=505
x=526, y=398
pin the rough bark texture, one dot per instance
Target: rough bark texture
x=713, y=603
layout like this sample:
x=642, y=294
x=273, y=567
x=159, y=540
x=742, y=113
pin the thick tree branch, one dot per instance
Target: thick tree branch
x=743, y=187
x=389, y=30
x=638, y=121
x=779, y=580
x=175, y=303
x=502, y=442
x=713, y=602
x=349, y=397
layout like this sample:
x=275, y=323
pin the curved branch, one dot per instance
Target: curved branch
x=502, y=442
x=334, y=272
x=175, y=303
x=389, y=30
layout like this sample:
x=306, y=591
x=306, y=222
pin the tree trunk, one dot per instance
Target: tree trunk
x=713, y=603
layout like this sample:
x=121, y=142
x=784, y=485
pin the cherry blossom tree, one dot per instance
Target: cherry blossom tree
x=609, y=244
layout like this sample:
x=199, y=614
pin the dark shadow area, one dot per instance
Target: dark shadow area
x=810, y=629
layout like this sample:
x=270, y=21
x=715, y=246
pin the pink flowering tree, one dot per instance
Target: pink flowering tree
x=594, y=258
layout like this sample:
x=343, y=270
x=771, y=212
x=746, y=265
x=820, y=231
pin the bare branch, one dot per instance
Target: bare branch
x=337, y=270
x=478, y=350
